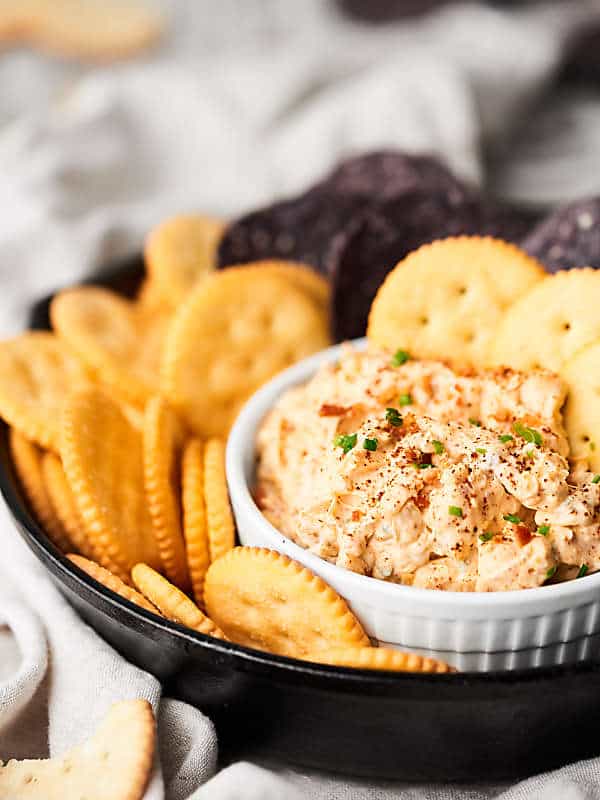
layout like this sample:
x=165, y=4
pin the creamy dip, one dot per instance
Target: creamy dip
x=414, y=472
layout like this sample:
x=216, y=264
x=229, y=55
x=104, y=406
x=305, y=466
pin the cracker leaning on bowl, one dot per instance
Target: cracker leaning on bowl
x=132, y=494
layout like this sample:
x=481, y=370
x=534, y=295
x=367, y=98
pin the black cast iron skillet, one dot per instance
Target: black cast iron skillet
x=475, y=727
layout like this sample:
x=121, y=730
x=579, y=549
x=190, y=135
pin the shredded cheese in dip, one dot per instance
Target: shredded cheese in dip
x=421, y=474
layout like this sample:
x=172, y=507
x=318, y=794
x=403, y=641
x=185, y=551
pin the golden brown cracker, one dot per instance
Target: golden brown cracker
x=262, y=599
x=123, y=347
x=446, y=299
x=163, y=440
x=172, y=602
x=237, y=329
x=27, y=460
x=112, y=582
x=114, y=763
x=300, y=275
x=149, y=299
x=180, y=252
x=219, y=518
x=379, y=658
x=582, y=409
x=89, y=30
x=551, y=322
x=195, y=527
x=35, y=370
x=103, y=460
x=63, y=503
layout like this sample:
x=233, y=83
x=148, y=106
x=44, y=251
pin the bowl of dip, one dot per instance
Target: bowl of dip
x=471, y=493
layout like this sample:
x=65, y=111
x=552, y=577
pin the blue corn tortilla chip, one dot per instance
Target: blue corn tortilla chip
x=387, y=174
x=302, y=228
x=299, y=229
x=569, y=237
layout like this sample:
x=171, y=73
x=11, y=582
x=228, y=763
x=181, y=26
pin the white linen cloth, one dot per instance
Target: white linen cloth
x=246, y=102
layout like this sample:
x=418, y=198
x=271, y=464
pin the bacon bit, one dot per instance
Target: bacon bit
x=426, y=384
x=331, y=410
x=386, y=398
x=531, y=421
x=523, y=535
x=408, y=426
x=421, y=501
x=260, y=496
x=356, y=515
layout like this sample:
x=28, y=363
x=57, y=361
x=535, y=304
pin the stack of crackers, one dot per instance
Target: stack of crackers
x=118, y=424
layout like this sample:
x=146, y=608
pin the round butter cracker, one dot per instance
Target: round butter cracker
x=63, y=503
x=163, y=440
x=122, y=346
x=180, y=252
x=582, y=409
x=237, y=329
x=219, y=519
x=195, y=527
x=551, y=322
x=115, y=762
x=299, y=275
x=172, y=602
x=27, y=459
x=262, y=599
x=112, y=582
x=35, y=367
x=379, y=658
x=102, y=456
x=446, y=299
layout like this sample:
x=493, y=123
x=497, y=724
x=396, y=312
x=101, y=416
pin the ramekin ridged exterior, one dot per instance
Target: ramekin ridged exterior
x=473, y=631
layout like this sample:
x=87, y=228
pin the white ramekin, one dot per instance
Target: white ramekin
x=475, y=631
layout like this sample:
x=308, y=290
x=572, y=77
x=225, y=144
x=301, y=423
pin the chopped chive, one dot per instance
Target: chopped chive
x=506, y=437
x=514, y=518
x=551, y=572
x=530, y=454
x=400, y=357
x=438, y=447
x=393, y=417
x=529, y=434
x=346, y=441
x=582, y=570
x=405, y=399
x=485, y=537
x=423, y=465
x=475, y=422
x=370, y=444
x=596, y=479
x=543, y=530
x=455, y=511
x=481, y=450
